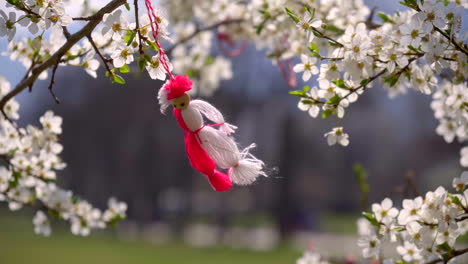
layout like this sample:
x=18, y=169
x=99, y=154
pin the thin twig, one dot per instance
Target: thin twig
x=88, y=18
x=27, y=11
x=364, y=86
x=36, y=71
x=322, y=35
x=137, y=21
x=370, y=20
x=28, y=72
x=454, y=253
x=96, y=49
x=52, y=81
x=452, y=40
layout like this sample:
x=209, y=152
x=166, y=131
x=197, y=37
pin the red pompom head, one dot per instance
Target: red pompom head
x=177, y=86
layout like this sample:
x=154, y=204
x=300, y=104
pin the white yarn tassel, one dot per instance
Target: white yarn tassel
x=247, y=169
x=220, y=147
x=243, y=167
x=162, y=98
x=214, y=115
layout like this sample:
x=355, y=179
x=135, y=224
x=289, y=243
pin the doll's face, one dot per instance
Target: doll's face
x=181, y=102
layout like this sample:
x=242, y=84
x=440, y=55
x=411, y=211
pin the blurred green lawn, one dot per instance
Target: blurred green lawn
x=19, y=245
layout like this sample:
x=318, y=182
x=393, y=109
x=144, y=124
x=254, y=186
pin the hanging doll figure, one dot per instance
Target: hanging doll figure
x=209, y=146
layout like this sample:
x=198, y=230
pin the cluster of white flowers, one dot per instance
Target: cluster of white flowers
x=339, y=46
x=118, y=41
x=38, y=15
x=424, y=230
x=194, y=60
x=30, y=159
x=311, y=257
x=450, y=107
x=408, y=50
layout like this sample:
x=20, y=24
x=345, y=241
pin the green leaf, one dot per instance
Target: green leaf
x=127, y=6
x=445, y=247
x=385, y=18
x=115, y=78
x=128, y=38
x=306, y=89
x=298, y=93
x=407, y=75
x=446, y=257
x=209, y=60
x=311, y=11
x=456, y=200
x=152, y=45
x=370, y=217
x=292, y=15
x=13, y=2
x=391, y=79
x=410, y=47
x=306, y=101
x=110, y=73
x=335, y=100
x=260, y=27
x=142, y=63
x=124, y=69
x=340, y=84
x=113, y=222
x=54, y=213
x=274, y=54
x=313, y=47
x=335, y=29
x=364, y=82
x=361, y=179
x=75, y=200
x=15, y=181
x=327, y=113
x=411, y=4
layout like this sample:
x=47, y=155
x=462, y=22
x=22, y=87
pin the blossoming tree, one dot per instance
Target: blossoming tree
x=340, y=44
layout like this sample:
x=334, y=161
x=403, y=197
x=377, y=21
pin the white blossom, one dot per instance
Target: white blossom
x=41, y=224
x=51, y=122
x=311, y=258
x=370, y=246
x=156, y=69
x=409, y=252
x=308, y=66
x=7, y=26
x=410, y=211
x=384, y=212
x=337, y=135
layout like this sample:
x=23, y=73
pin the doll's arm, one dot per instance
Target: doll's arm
x=214, y=115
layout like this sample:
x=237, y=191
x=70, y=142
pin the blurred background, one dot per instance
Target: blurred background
x=117, y=143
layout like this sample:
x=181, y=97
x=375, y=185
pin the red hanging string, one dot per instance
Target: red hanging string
x=155, y=31
x=287, y=72
x=233, y=51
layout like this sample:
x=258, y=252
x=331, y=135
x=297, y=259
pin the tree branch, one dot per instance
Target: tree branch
x=452, y=40
x=36, y=71
x=364, y=86
x=137, y=21
x=52, y=81
x=98, y=52
x=66, y=33
x=454, y=253
x=88, y=18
